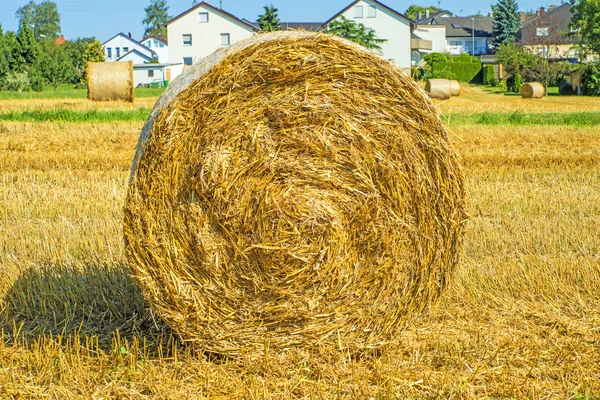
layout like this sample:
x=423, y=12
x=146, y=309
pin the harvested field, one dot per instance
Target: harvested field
x=521, y=320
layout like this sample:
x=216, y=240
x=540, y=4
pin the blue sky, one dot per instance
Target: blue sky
x=105, y=18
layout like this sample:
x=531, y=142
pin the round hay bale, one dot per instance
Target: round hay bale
x=293, y=190
x=454, y=88
x=108, y=81
x=438, y=88
x=532, y=90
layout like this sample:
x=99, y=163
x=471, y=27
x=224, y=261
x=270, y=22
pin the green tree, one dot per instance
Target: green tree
x=269, y=21
x=93, y=53
x=25, y=51
x=56, y=63
x=585, y=24
x=4, y=52
x=43, y=18
x=157, y=13
x=356, y=32
x=413, y=11
x=506, y=21
x=76, y=50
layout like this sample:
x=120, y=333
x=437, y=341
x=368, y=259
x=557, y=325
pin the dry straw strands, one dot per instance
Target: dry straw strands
x=110, y=81
x=532, y=90
x=454, y=88
x=438, y=88
x=293, y=190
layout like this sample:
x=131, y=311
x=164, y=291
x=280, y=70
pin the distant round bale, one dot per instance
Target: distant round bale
x=108, y=81
x=293, y=190
x=439, y=89
x=454, y=88
x=532, y=90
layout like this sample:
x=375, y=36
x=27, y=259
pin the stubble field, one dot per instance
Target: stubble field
x=521, y=320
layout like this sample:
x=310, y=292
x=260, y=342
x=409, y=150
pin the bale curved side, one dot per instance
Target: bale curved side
x=109, y=81
x=438, y=89
x=454, y=88
x=532, y=90
x=293, y=190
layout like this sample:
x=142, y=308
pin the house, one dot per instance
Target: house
x=119, y=45
x=471, y=35
x=427, y=39
x=60, y=40
x=547, y=34
x=202, y=29
x=155, y=74
x=302, y=26
x=387, y=23
x=159, y=45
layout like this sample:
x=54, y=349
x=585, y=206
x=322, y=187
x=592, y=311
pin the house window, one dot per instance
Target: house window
x=150, y=73
x=371, y=12
x=358, y=11
x=118, y=51
x=203, y=17
x=187, y=60
x=187, y=39
x=225, y=39
x=109, y=53
x=542, y=31
x=161, y=44
x=455, y=43
x=125, y=50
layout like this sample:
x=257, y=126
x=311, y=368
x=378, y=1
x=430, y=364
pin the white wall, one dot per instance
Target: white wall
x=460, y=45
x=435, y=33
x=387, y=26
x=161, y=49
x=120, y=42
x=140, y=74
x=206, y=36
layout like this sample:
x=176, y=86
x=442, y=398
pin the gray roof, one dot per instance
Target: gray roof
x=556, y=21
x=462, y=26
x=306, y=26
x=427, y=20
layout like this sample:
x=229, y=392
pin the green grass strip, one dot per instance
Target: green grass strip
x=66, y=115
x=524, y=119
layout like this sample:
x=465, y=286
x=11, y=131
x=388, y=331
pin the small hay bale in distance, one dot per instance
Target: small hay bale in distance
x=454, y=88
x=532, y=90
x=293, y=190
x=109, y=81
x=438, y=89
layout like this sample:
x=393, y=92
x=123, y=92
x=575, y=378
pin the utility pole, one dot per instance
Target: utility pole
x=472, y=36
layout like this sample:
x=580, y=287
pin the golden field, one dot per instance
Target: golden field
x=521, y=320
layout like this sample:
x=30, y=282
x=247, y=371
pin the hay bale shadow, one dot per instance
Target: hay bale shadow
x=101, y=301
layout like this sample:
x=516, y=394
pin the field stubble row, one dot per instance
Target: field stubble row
x=520, y=320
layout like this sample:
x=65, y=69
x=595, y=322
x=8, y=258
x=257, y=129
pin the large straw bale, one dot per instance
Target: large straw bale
x=532, y=90
x=454, y=88
x=438, y=88
x=109, y=81
x=293, y=190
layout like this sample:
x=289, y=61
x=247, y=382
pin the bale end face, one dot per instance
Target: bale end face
x=439, y=89
x=293, y=190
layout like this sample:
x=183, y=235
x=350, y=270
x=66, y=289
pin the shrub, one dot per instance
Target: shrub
x=17, y=81
x=463, y=72
x=488, y=73
x=436, y=57
x=514, y=82
x=590, y=79
x=493, y=81
x=565, y=88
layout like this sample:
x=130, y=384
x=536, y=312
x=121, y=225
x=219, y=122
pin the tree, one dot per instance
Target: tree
x=76, y=49
x=56, y=64
x=506, y=21
x=585, y=24
x=413, y=11
x=356, y=32
x=4, y=51
x=157, y=13
x=25, y=51
x=43, y=18
x=269, y=21
x=93, y=53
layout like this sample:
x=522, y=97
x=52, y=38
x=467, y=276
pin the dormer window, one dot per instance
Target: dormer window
x=542, y=31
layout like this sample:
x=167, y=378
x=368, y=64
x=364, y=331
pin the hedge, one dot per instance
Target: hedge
x=488, y=73
x=464, y=72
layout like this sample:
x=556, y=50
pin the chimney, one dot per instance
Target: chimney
x=426, y=13
x=419, y=16
x=542, y=11
x=129, y=34
x=523, y=16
